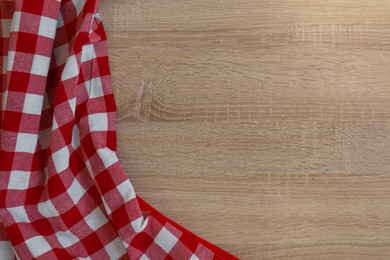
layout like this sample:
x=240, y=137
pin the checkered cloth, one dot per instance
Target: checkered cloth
x=63, y=192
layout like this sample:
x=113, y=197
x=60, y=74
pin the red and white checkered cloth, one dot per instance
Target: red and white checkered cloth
x=63, y=192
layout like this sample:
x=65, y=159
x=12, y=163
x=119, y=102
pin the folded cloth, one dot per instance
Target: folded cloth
x=63, y=192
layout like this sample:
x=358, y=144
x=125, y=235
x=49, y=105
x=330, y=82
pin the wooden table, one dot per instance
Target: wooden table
x=261, y=125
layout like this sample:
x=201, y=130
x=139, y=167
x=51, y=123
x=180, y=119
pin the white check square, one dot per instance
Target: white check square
x=139, y=224
x=37, y=245
x=5, y=96
x=60, y=20
x=127, y=190
x=15, y=24
x=66, y=238
x=94, y=87
x=166, y=240
x=47, y=209
x=88, y=53
x=71, y=68
x=75, y=137
x=10, y=60
x=115, y=249
x=72, y=104
x=6, y=249
x=76, y=191
x=98, y=122
x=33, y=104
x=47, y=27
x=55, y=124
x=40, y=65
x=19, y=214
x=18, y=180
x=96, y=219
x=5, y=27
x=79, y=4
x=26, y=142
x=61, y=159
x=108, y=156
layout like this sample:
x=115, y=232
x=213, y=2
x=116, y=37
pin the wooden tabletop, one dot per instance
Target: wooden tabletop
x=261, y=125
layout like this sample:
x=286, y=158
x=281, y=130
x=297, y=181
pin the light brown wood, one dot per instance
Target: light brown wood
x=262, y=126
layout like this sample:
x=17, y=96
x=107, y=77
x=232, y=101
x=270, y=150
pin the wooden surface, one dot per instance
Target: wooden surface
x=261, y=125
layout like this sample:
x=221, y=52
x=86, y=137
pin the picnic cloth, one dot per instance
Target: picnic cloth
x=63, y=191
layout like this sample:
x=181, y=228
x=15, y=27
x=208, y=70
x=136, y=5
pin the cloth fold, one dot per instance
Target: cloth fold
x=63, y=191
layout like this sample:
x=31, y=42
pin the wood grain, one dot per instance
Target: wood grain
x=262, y=126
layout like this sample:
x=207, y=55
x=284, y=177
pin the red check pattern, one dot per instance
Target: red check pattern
x=63, y=192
